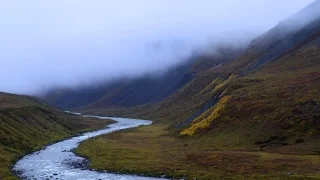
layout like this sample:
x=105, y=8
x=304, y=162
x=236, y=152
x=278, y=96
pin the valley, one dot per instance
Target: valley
x=236, y=108
x=57, y=161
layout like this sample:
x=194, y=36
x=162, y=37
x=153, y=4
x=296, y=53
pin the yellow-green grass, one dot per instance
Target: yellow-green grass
x=152, y=150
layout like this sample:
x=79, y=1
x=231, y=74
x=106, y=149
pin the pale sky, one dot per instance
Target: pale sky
x=48, y=43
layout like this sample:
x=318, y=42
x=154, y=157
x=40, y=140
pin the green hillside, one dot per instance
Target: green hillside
x=27, y=124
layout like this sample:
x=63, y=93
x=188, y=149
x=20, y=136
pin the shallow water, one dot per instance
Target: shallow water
x=53, y=162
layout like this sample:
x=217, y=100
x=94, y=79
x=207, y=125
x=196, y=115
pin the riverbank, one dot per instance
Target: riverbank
x=84, y=163
x=153, y=151
x=27, y=129
x=58, y=160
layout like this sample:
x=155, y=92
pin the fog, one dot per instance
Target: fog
x=45, y=44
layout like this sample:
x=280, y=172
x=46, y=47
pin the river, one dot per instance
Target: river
x=57, y=161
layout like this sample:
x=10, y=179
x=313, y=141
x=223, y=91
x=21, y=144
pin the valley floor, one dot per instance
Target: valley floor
x=153, y=151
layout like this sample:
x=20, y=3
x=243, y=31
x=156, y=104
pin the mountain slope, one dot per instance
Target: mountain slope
x=266, y=125
x=256, y=116
x=148, y=89
x=124, y=92
x=288, y=36
x=282, y=97
x=27, y=124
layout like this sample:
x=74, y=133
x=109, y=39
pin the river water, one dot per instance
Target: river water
x=53, y=162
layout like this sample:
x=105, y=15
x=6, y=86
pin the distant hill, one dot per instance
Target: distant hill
x=124, y=92
x=136, y=91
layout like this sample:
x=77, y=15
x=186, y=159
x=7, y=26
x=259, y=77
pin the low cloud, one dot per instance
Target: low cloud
x=47, y=44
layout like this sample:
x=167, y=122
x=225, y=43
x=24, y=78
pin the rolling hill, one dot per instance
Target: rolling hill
x=27, y=124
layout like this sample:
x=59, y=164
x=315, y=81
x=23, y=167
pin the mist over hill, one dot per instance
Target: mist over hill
x=241, y=59
x=72, y=44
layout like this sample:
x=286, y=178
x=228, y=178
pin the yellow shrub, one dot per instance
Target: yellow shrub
x=207, y=117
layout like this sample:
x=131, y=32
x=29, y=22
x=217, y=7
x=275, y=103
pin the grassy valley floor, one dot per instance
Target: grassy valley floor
x=153, y=151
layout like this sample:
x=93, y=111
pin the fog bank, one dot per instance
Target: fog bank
x=60, y=43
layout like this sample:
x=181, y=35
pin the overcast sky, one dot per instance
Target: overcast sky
x=46, y=43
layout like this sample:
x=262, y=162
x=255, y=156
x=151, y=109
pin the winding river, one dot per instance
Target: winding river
x=57, y=161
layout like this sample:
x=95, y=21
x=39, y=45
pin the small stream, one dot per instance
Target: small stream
x=57, y=161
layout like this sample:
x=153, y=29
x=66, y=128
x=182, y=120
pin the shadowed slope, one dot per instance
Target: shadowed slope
x=124, y=92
